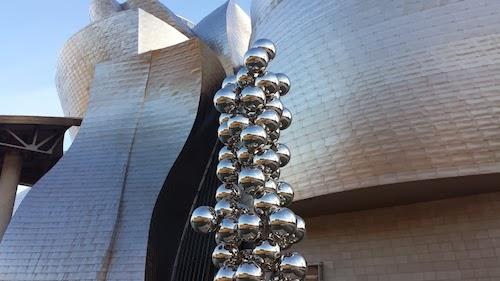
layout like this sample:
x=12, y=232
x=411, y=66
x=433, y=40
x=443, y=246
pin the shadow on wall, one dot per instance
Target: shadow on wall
x=179, y=193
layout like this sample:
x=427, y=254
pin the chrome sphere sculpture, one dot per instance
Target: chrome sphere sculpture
x=252, y=224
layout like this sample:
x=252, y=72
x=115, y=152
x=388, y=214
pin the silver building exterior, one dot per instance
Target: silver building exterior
x=396, y=140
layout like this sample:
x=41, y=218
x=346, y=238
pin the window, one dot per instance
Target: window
x=314, y=272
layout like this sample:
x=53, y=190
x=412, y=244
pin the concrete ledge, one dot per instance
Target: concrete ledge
x=397, y=194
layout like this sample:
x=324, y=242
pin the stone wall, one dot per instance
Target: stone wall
x=449, y=240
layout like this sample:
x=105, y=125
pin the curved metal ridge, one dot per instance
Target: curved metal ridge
x=180, y=189
x=227, y=32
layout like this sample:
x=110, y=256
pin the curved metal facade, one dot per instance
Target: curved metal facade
x=89, y=217
x=386, y=92
x=117, y=34
x=227, y=31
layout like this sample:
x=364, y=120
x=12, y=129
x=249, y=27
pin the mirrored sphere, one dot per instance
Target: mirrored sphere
x=223, y=133
x=301, y=230
x=284, y=154
x=237, y=123
x=253, y=99
x=276, y=174
x=226, y=153
x=227, y=192
x=293, y=265
x=224, y=117
x=284, y=83
x=222, y=253
x=256, y=60
x=244, y=78
x=203, y=219
x=251, y=179
x=231, y=79
x=286, y=119
x=285, y=192
x=253, y=137
x=276, y=105
x=225, y=208
x=249, y=227
x=225, y=100
x=267, y=45
x=268, y=251
x=283, y=222
x=268, y=119
x=270, y=186
x=244, y=155
x=225, y=273
x=228, y=231
x=273, y=136
x=249, y=271
x=267, y=203
x=268, y=82
x=268, y=159
x=226, y=171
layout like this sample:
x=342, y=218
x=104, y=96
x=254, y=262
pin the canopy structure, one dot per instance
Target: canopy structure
x=29, y=147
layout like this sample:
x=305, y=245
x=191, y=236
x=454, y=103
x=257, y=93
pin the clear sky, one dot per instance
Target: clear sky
x=32, y=32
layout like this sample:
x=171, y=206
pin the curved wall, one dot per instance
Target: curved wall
x=145, y=25
x=226, y=31
x=88, y=218
x=386, y=92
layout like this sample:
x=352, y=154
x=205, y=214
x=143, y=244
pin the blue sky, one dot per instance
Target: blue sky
x=34, y=31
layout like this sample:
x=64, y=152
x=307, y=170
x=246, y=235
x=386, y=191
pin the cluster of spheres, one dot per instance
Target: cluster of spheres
x=253, y=227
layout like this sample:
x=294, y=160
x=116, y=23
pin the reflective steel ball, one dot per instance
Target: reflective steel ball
x=227, y=192
x=224, y=134
x=283, y=222
x=226, y=171
x=268, y=251
x=269, y=119
x=284, y=154
x=293, y=265
x=204, y=219
x=267, y=45
x=249, y=227
x=244, y=155
x=273, y=136
x=268, y=159
x=275, y=175
x=244, y=78
x=224, y=117
x=301, y=230
x=285, y=192
x=225, y=100
x=226, y=153
x=270, y=186
x=286, y=119
x=253, y=137
x=228, y=231
x=225, y=273
x=253, y=99
x=268, y=82
x=249, y=271
x=231, y=79
x=237, y=123
x=225, y=208
x=251, y=179
x=276, y=105
x=284, y=83
x=256, y=60
x=222, y=253
x=267, y=203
